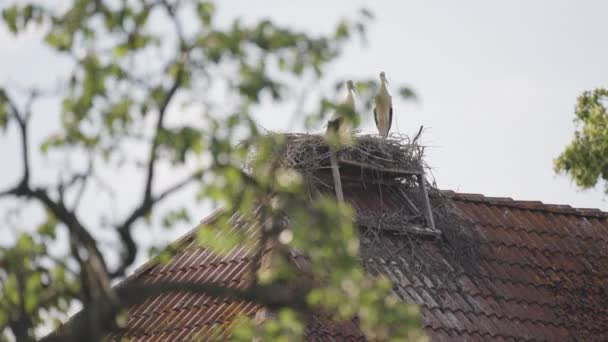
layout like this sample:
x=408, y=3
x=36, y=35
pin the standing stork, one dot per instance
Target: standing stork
x=337, y=124
x=383, y=111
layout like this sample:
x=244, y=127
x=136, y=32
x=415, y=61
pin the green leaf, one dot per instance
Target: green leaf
x=25, y=242
x=180, y=142
x=142, y=17
x=120, y=51
x=205, y=11
x=119, y=115
x=121, y=318
x=407, y=93
x=4, y=114
x=47, y=228
x=32, y=292
x=59, y=39
x=342, y=31
x=208, y=237
x=10, y=16
x=176, y=216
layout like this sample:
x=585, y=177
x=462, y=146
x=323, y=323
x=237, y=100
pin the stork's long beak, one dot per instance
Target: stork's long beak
x=385, y=80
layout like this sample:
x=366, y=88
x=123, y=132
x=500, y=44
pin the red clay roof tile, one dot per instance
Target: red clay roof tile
x=530, y=272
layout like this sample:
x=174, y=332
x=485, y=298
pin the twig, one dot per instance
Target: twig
x=148, y=200
x=83, y=185
x=417, y=135
x=124, y=229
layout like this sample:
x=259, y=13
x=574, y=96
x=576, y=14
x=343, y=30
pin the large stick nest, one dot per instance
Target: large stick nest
x=309, y=153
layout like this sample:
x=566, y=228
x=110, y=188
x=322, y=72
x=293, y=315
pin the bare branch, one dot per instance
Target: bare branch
x=179, y=185
x=148, y=200
x=22, y=119
x=156, y=141
x=83, y=178
x=22, y=123
x=27, y=112
x=77, y=230
x=172, y=11
x=124, y=229
x=272, y=296
x=63, y=186
x=63, y=214
x=8, y=192
x=83, y=186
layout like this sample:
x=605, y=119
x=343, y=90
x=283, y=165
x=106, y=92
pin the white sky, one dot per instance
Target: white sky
x=497, y=80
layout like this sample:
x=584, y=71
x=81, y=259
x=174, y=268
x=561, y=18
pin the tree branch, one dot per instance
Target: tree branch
x=148, y=200
x=21, y=324
x=162, y=111
x=77, y=177
x=23, y=189
x=63, y=214
x=124, y=229
x=94, y=266
x=79, y=236
x=22, y=122
x=272, y=296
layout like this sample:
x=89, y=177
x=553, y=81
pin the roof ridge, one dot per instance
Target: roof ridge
x=526, y=204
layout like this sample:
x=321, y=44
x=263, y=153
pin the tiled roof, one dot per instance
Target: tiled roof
x=505, y=270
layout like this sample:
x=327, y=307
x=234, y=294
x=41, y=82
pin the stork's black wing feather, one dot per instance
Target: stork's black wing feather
x=334, y=125
x=390, y=119
x=376, y=118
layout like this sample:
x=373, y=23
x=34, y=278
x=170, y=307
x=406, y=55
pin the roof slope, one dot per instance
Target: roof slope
x=512, y=270
x=535, y=272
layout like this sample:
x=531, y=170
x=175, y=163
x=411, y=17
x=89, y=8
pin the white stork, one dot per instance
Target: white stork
x=337, y=124
x=383, y=111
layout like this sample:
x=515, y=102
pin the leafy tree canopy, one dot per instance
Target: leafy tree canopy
x=138, y=70
x=586, y=158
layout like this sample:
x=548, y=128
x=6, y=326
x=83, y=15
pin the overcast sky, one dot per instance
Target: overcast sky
x=497, y=82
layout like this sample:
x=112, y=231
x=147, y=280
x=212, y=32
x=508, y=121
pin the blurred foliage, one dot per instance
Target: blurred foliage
x=34, y=285
x=124, y=84
x=586, y=158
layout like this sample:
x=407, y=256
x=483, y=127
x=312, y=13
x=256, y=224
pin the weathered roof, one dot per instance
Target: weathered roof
x=506, y=270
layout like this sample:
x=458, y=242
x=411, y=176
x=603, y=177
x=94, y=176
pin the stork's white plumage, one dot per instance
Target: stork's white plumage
x=383, y=111
x=338, y=123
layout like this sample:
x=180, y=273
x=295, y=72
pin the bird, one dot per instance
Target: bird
x=337, y=124
x=383, y=111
